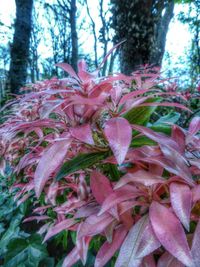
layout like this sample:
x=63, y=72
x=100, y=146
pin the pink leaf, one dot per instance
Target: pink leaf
x=57, y=228
x=118, y=133
x=49, y=162
x=195, y=250
x=83, y=133
x=109, y=53
x=133, y=94
x=167, y=260
x=100, y=186
x=181, y=201
x=137, y=238
x=169, y=232
x=166, y=104
x=171, y=151
x=107, y=250
x=142, y=177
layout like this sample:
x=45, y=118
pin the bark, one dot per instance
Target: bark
x=74, y=36
x=143, y=25
x=20, y=46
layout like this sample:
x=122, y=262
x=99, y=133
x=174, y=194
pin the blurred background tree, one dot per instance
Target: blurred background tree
x=52, y=31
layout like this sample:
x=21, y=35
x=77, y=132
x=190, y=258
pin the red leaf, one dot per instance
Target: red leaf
x=49, y=162
x=169, y=232
x=181, y=201
x=83, y=133
x=141, y=176
x=108, y=249
x=139, y=242
x=100, y=186
x=118, y=133
x=167, y=260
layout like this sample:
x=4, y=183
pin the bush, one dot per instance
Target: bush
x=97, y=164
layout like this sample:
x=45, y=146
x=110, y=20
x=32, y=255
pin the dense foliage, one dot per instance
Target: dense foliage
x=96, y=163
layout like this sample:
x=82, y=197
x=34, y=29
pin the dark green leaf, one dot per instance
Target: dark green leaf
x=80, y=162
x=27, y=251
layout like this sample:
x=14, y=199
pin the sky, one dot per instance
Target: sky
x=178, y=37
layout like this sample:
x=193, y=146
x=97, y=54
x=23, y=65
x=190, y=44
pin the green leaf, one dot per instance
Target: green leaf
x=2, y=229
x=47, y=262
x=80, y=162
x=141, y=115
x=27, y=251
x=142, y=141
x=12, y=232
x=162, y=128
x=172, y=117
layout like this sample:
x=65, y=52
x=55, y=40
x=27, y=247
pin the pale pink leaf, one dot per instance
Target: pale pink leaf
x=49, y=162
x=107, y=250
x=118, y=133
x=83, y=133
x=100, y=186
x=169, y=232
x=37, y=218
x=57, y=228
x=117, y=197
x=194, y=126
x=66, y=67
x=71, y=258
x=142, y=177
x=148, y=241
x=167, y=260
x=148, y=261
x=181, y=201
x=195, y=250
x=82, y=246
x=127, y=254
x=179, y=137
x=196, y=193
x=94, y=225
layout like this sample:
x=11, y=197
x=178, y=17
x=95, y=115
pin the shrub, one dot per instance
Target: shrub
x=97, y=165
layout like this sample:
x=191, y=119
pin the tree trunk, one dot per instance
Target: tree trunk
x=74, y=36
x=143, y=25
x=20, y=46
